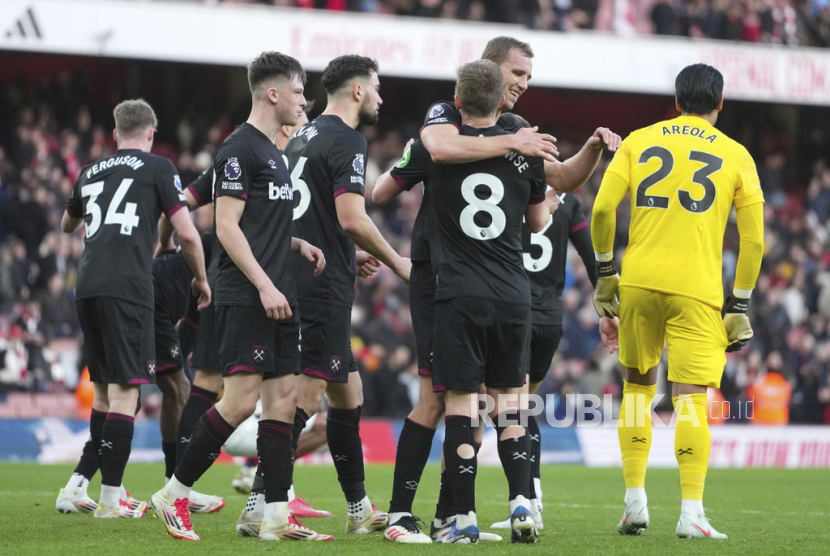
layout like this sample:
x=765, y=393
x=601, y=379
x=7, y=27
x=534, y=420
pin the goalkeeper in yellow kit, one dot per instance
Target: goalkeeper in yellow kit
x=683, y=175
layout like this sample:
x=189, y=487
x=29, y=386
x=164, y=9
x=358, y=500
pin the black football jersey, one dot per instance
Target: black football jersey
x=171, y=284
x=408, y=176
x=249, y=166
x=327, y=159
x=121, y=198
x=202, y=190
x=546, y=257
x=478, y=209
x=202, y=187
x=445, y=112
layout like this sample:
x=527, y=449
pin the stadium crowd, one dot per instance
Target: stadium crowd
x=47, y=134
x=788, y=22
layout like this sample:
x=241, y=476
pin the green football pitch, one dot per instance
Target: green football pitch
x=764, y=511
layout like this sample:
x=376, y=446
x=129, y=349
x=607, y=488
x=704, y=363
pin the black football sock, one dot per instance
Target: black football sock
x=411, y=457
x=205, y=446
x=343, y=431
x=169, y=449
x=116, y=444
x=276, y=458
x=259, y=483
x=514, y=454
x=198, y=403
x=535, y=453
x=445, y=508
x=90, y=460
x=461, y=467
x=300, y=420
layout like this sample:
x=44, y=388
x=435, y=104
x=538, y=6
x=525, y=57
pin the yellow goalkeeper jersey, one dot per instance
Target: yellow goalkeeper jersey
x=683, y=176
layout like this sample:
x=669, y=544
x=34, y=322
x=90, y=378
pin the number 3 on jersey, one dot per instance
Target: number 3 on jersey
x=540, y=239
x=127, y=219
x=489, y=205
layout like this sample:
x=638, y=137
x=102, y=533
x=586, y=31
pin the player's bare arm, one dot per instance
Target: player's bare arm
x=228, y=212
x=310, y=253
x=537, y=216
x=570, y=175
x=194, y=254
x=386, y=188
x=351, y=213
x=165, y=241
x=69, y=224
x=446, y=146
x=552, y=201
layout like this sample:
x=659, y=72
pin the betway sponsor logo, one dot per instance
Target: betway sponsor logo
x=280, y=192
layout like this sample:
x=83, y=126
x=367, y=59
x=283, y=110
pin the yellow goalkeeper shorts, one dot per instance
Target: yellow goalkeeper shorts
x=693, y=330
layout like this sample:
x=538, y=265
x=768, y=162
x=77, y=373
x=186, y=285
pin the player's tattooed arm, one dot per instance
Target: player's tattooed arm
x=569, y=176
x=351, y=213
x=228, y=212
x=310, y=253
x=446, y=146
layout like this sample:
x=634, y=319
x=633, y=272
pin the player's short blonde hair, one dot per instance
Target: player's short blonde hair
x=133, y=116
x=480, y=86
x=498, y=49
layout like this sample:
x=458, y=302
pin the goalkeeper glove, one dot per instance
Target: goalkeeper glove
x=736, y=323
x=605, y=293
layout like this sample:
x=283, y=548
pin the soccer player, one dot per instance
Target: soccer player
x=327, y=159
x=440, y=135
x=119, y=199
x=545, y=261
x=683, y=175
x=259, y=347
x=250, y=520
x=171, y=289
x=482, y=295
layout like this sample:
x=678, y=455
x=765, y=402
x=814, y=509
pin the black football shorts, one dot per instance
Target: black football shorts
x=250, y=342
x=205, y=345
x=477, y=340
x=326, y=341
x=422, y=308
x=544, y=339
x=118, y=340
x=168, y=351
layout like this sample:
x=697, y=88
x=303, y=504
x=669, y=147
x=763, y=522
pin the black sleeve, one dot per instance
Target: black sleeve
x=412, y=169
x=75, y=205
x=347, y=162
x=538, y=186
x=442, y=113
x=234, y=169
x=169, y=187
x=580, y=236
x=202, y=187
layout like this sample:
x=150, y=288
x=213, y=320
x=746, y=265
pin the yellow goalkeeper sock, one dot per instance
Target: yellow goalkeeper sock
x=692, y=443
x=634, y=432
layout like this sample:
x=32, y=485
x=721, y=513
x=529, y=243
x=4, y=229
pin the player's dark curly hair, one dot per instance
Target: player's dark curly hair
x=480, y=86
x=343, y=69
x=498, y=49
x=274, y=65
x=699, y=88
